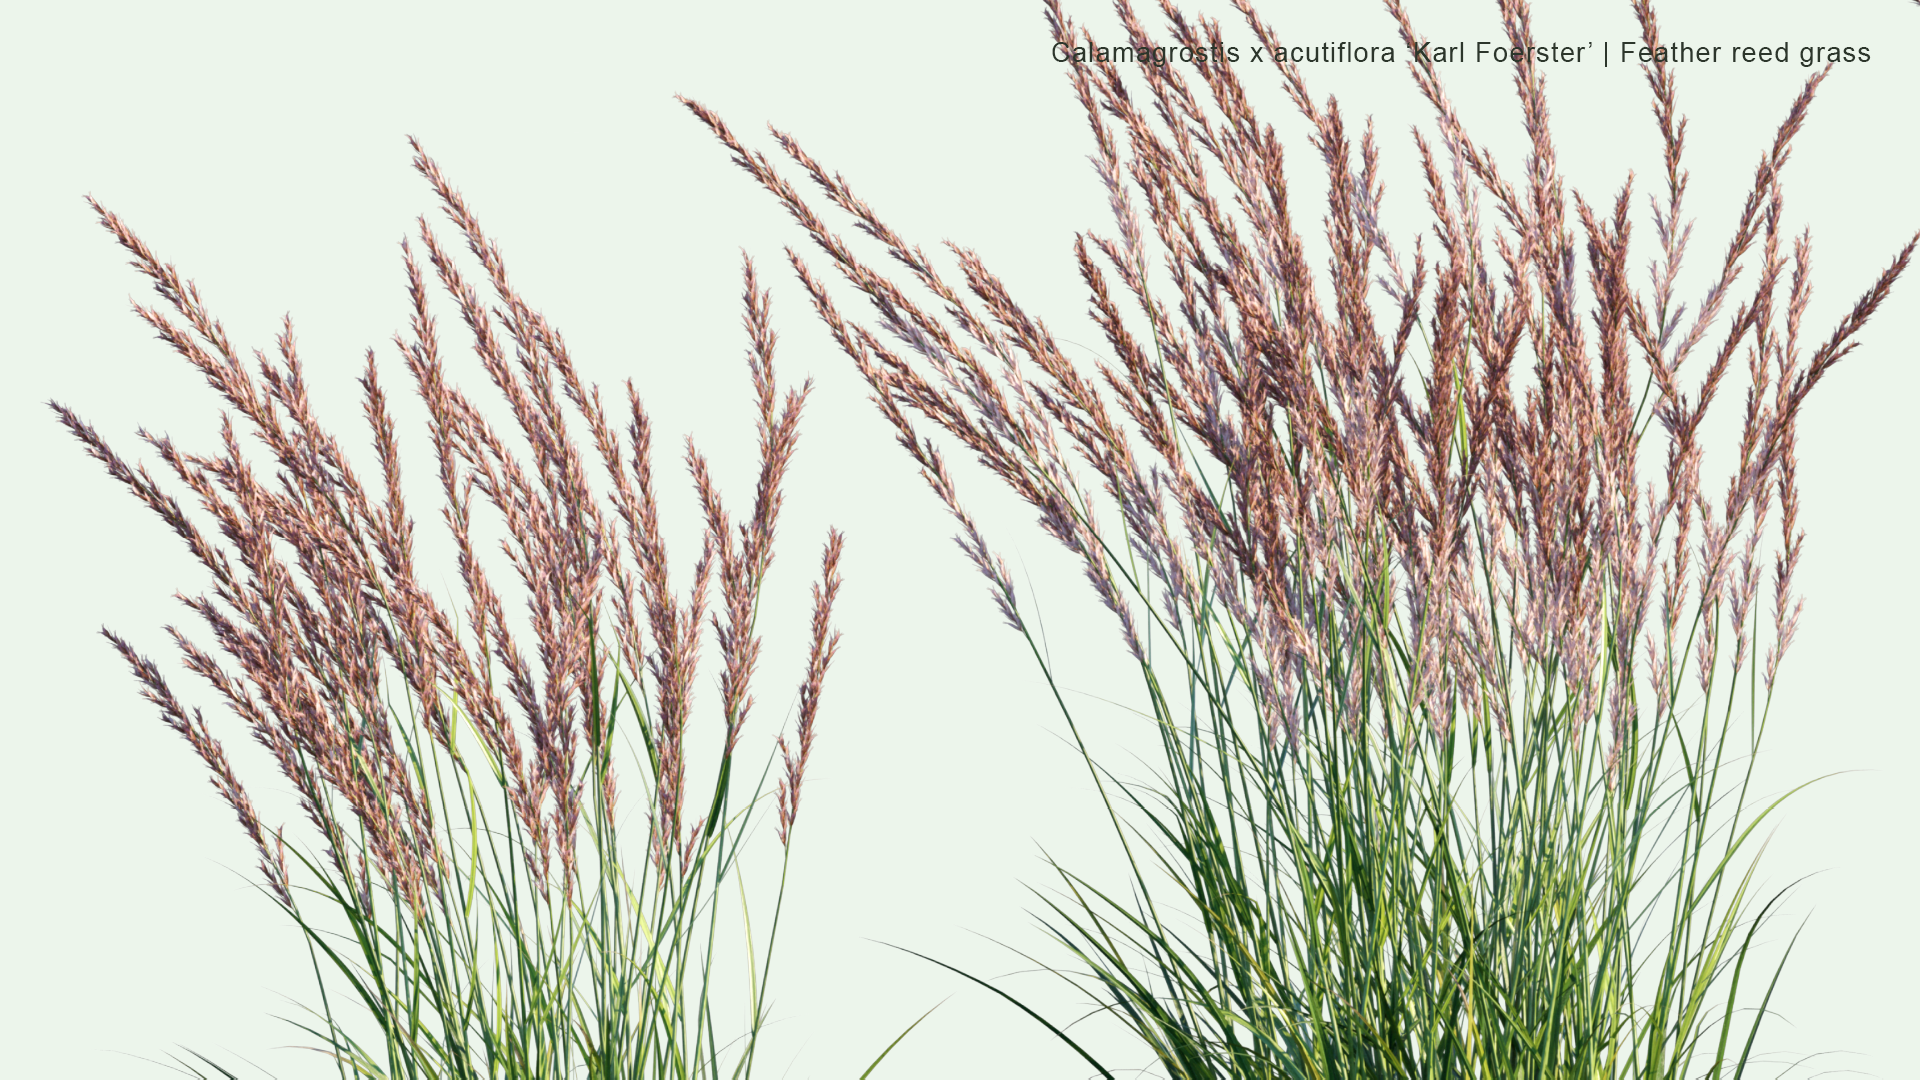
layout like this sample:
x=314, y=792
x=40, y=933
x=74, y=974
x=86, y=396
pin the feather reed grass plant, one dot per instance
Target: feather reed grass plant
x=1457, y=653
x=478, y=906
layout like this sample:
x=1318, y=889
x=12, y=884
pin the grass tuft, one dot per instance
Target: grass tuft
x=1457, y=657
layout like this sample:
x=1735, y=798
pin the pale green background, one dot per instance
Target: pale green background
x=261, y=148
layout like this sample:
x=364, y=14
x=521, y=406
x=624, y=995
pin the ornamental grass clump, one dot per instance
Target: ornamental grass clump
x=477, y=906
x=1458, y=654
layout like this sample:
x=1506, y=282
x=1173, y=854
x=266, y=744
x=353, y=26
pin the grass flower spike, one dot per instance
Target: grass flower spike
x=454, y=756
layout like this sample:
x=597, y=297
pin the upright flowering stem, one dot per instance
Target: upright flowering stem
x=1424, y=639
x=400, y=717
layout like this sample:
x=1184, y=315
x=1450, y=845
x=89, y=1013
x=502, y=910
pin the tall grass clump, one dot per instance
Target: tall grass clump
x=478, y=905
x=1457, y=654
